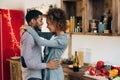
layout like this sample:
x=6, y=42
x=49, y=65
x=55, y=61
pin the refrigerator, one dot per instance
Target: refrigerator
x=10, y=22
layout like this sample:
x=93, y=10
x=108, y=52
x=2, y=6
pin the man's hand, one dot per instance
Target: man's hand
x=52, y=64
x=23, y=29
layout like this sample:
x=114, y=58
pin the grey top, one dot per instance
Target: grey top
x=32, y=54
x=54, y=50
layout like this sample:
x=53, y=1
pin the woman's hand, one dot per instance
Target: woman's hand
x=23, y=29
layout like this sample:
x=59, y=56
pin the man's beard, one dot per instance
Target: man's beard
x=37, y=29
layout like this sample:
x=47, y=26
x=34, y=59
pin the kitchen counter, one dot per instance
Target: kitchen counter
x=71, y=75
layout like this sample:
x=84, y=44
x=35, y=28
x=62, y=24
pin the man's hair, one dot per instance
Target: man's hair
x=32, y=14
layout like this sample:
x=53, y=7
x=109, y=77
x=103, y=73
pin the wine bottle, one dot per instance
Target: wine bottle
x=76, y=63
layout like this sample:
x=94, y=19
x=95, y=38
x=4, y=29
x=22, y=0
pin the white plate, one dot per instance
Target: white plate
x=71, y=66
x=15, y=57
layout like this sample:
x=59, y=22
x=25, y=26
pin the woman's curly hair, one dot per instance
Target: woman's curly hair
x=57, y=16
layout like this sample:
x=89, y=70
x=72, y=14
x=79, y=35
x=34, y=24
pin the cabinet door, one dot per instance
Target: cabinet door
x=15, y=71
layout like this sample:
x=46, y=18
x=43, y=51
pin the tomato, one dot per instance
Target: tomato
x=89, y=68
x=99, y=65
x=114, y=67
x=104, y=71
x=118, y=68
x=93, y=71
x=98, y=74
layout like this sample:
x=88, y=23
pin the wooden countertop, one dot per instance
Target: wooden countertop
x=76, y=75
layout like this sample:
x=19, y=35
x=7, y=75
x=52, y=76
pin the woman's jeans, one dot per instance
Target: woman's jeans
x=34, y=79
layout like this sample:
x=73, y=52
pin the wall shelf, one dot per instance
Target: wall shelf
x=93, y=9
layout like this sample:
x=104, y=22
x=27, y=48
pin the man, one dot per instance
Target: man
x=31, y=54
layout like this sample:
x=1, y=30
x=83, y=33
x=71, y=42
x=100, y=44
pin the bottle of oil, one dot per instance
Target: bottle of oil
x=72, y=23
x=76, y=63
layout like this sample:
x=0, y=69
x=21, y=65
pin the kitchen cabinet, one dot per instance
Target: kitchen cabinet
x=87, y=10
x=15, y=69
x=16, y=74
x=72, y=7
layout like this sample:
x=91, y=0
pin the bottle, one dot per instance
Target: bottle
x=72, y=23
x=68, y=25
x=93, y=26
x=76, y=63
x=100, y=27
x=79, y=28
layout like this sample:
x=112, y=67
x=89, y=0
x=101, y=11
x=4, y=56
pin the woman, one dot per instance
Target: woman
x=56, y=46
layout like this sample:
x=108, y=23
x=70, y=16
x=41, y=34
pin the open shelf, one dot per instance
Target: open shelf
x=89, y=10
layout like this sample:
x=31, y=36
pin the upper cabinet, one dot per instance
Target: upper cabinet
x=93, y=16
x=72, y=7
